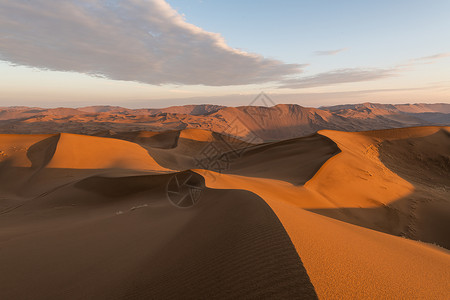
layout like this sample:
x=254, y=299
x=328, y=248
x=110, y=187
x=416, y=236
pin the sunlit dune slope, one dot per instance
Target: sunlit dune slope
x=86, y=152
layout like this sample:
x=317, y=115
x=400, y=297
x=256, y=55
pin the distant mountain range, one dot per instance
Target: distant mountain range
x=255, y=123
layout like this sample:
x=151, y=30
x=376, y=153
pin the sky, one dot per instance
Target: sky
x=156, y=53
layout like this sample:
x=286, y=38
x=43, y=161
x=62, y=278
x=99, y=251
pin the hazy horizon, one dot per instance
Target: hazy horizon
x=161, y=103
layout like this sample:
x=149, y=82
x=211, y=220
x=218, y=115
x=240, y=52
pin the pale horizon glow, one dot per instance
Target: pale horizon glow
x=210, y=52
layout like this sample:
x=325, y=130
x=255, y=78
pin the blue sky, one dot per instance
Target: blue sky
x=140, y=53
x=376, y=33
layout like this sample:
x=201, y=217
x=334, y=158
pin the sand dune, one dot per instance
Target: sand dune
x=334, y=215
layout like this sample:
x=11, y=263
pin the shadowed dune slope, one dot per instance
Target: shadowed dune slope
x=21, y=158
x=164, y=140
x=187, y=147
x=294, y=161
x=120, y=238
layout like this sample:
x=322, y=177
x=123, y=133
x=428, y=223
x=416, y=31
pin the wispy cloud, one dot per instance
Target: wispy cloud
x=424, y=60
x=330, y=52
x=337, y=77
x=135, y=40
x=432, y=57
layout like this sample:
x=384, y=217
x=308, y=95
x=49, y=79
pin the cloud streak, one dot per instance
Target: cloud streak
x=349, y=75
x=135, y=40
x=432, y=57
x=337, y=77
x=330, y=52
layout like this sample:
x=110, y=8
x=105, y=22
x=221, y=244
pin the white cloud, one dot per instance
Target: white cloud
x=338, y=76
x=134, y=40
x=330, y=52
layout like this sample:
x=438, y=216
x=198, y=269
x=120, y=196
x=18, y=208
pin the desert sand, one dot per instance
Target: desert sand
x=333, y=215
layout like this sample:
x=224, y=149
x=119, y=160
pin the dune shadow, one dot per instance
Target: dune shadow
x=230, y=244
x=42, y=152
x=412, y=217
x=292, y=132
x=235, y=247
x=160, y=140
x=421, y=161
x=295, y=160
x=117, y=187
